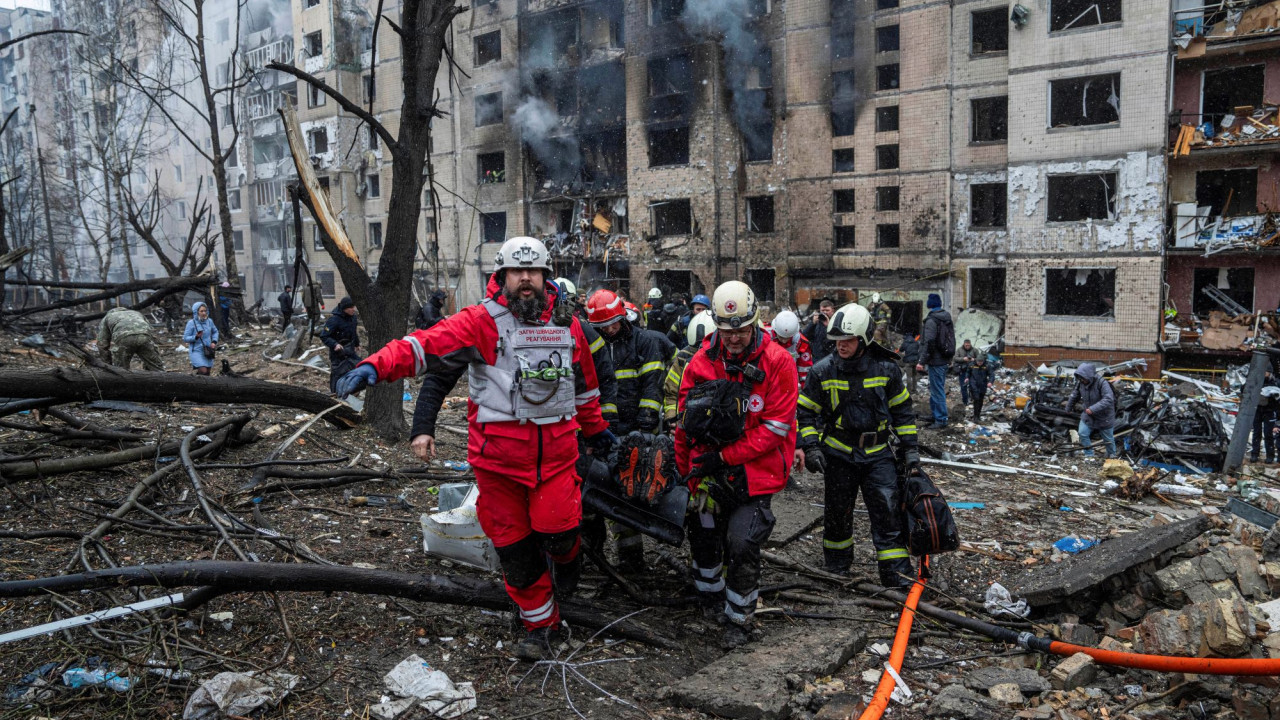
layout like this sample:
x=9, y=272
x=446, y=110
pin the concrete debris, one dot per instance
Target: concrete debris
x=1028, y=681
x=1074, y=672
x=956, y=701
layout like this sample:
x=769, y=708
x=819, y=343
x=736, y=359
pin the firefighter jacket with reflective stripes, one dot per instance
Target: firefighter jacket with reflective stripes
x=525, y=452
x=604, y=373
x=638, y=366
x=850, y=407
x=768, y=444
x=798, y=348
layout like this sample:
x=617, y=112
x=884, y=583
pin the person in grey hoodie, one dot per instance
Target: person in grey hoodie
x=1099, y=402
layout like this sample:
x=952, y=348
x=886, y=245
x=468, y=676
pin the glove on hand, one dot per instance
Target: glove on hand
x=708, y=464
x=358, y=379
x=602, y=443
x=910, y=459
x=647, y=420
x=815, y=461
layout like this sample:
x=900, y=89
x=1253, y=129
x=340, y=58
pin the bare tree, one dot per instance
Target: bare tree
x=384, y=302
x=202, y=94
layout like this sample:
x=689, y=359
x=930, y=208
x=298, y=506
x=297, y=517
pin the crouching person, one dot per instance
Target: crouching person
x=734, y=443
x=532, y=386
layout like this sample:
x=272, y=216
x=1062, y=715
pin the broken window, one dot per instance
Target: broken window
x=313, y=44
x=491, y=168
x=604, y=159
x=988, y=32
x=989, y=119
x=315, y=96
x=887, y=198
x=887, y=235
x=986, y=289
x=1236, y=283
x=757, y=139
x=887, y=119
x=237, y=240
x=317, y=241
x=886, y=157
x=1230, y=88
x=886, y=4
x=1217, y=188
x=758, y=8
x=670, y=80
x=551, y=40
x=373, y=185
x=672, y=217
x=1082, y=197
x=318, y=139
x=842, y=160
x=1068, y=14
x=887, y=38
x=988, y=205
x=887, y=77
x=671, y=282
x=844, y=237
x=488, y=47
x=760, y=214
x=760, y=73
x=375, y=234
x=844, y=111
x=668, y=146
x=1080, y=292
x=488, y=109
x=842, y=201
x=665, y=11
x=605, y=86
x=841, y=42
x=1090, y=100
x=372, y=138
x=493, y=227
x=761, y=283
x=370, y=89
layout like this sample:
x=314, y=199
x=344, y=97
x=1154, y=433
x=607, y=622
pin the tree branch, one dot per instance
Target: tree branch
x=341, y=99
x=38, y=33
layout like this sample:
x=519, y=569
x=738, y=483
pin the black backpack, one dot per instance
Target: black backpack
x=715, y=412
x=947, y=339
x=926, y=517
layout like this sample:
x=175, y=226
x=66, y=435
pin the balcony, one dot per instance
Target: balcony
x=1195, y=229
x=1254, y=130
x=1205, y=30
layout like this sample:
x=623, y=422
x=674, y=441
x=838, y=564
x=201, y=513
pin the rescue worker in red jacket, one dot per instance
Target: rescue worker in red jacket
x=532, y=386
x=786, y=332
x=732, y=485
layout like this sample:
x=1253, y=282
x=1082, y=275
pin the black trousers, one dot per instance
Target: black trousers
x=979, y=395
x=877, y=477
x=726, y=544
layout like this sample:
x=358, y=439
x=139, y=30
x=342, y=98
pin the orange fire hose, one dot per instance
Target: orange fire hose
x=888, y=682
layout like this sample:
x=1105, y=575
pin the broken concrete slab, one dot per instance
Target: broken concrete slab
x=957, y=701
x=1006, y=694
x=750, y=683
x=841, y=706
x=1028, y=681
x=796, y=510
x=1076, y=671
x=1109, y=558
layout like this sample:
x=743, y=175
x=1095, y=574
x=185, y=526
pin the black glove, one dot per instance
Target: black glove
x=708, y=464
x=815, y=461
x=647, y=420
x=910, y=458
x=602, y=443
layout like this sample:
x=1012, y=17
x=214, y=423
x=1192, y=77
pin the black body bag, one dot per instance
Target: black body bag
x=927, y=522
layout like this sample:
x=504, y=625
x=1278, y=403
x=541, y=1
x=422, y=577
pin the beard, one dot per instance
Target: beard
x=530, y=310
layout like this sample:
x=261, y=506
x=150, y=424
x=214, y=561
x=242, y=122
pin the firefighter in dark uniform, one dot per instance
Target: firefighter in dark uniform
x=853, y=404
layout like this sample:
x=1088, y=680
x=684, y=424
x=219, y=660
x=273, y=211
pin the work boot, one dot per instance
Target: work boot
x=540, y=644
x=736, y=635
x=898, y=575
x=836, y=567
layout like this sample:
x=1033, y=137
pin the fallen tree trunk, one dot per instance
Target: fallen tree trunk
x=160, y=285
x=228, y=577
x=89, y=384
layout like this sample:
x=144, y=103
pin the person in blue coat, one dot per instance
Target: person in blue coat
x=201, y=337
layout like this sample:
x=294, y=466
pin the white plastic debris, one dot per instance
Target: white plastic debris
x=999, y=601
x=231, y=693
x=456, y=535
x=415, y=678
x=1169, y=489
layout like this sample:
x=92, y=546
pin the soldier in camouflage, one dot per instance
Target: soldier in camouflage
x=125, y=333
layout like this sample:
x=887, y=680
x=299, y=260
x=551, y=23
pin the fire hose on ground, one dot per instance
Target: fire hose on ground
x=1158, y=663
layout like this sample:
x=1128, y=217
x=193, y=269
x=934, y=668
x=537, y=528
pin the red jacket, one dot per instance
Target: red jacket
x=525, y=452
x=798, y=349
x=767, y=446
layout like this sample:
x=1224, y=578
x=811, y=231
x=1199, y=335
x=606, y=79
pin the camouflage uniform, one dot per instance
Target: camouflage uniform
x=125, y=333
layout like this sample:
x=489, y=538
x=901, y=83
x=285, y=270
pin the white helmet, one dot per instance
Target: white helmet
x=875, y=298
x=655, y=294
x=700, y=327
x=522, y=252
x=852, y=320
x=786, y=324
x=567, y=286
x=734, y=305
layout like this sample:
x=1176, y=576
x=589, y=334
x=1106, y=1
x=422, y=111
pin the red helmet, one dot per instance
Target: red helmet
x=604, y=308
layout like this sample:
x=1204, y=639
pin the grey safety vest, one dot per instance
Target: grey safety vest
x=531, y=378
